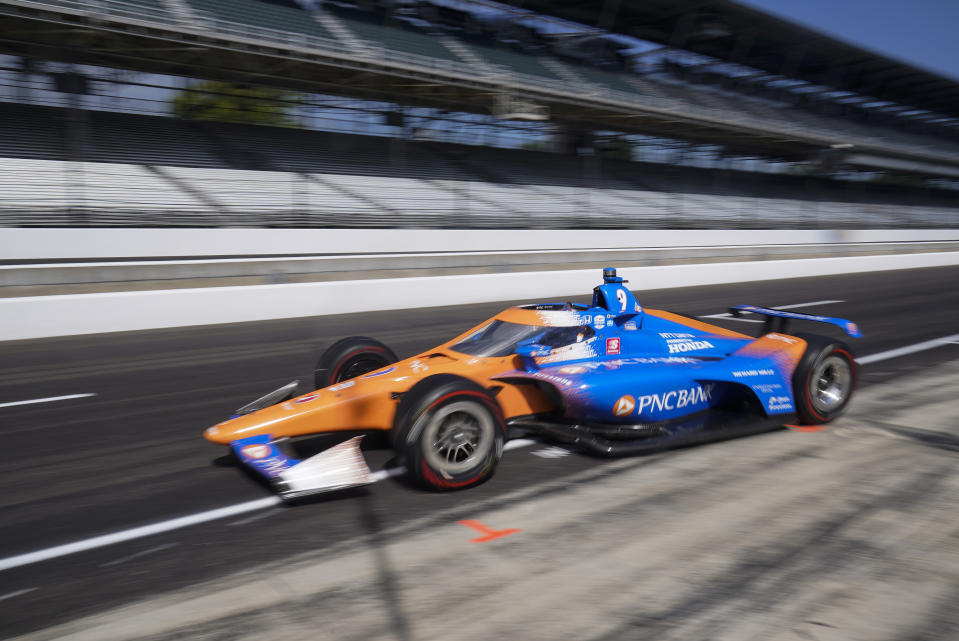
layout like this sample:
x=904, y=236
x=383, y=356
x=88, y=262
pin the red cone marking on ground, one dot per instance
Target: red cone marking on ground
x=489, y=534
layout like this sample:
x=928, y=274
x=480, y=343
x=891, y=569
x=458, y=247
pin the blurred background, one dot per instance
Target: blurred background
x=617, y=114
x=199, y=196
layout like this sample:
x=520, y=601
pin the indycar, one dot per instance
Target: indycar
x=611, y=378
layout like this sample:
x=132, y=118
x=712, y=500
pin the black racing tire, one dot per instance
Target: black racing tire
x=449, y=432
x=351, y=357
x=824, y=380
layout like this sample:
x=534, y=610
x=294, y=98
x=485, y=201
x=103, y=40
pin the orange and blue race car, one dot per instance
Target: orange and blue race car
x=611, y=378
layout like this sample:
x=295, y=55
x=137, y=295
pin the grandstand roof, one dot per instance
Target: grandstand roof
x=736, y=33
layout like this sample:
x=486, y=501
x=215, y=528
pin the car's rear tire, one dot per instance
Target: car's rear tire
x=449, y=432
x=824, y=380
x=349, y=358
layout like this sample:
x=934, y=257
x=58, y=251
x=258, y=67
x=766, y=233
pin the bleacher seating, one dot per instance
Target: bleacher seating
x=135, y=9
x=609, y=80
x=286, y=21
x=181, y=173
x=274, y=15
x=32, y=132
x=397, y=38
x=147, y=140
x=513, y=61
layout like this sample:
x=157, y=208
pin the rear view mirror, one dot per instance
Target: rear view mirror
x=285, y=393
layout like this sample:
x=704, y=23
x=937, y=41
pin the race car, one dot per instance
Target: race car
x=611, y=378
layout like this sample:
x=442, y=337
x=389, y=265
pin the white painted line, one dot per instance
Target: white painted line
x=728, y=316
x=908, y=349
x=382, y=475
x=812, y=304
x=181, y=522
x=251, y=519
x=137, y=532
x=552, y=452
x=17, y=593
x=138, y=555
x=517, y=443
x=49, y=399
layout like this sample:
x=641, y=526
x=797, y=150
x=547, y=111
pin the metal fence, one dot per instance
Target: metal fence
x=57, y=193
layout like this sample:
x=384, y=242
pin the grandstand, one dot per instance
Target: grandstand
x=686, y=96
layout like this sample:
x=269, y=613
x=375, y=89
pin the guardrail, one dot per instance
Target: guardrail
x=44, y=316
x=212, y=272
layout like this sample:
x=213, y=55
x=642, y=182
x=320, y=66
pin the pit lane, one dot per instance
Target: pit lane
x=132, y=455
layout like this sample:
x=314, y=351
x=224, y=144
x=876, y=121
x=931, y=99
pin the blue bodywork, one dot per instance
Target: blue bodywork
x=263, y=455
x=641, y=368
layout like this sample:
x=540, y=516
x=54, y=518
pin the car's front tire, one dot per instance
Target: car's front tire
x=351, y=357
x=449, y=432
x=824, y=380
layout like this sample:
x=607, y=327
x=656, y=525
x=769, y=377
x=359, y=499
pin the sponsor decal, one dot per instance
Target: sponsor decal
x=572, y=369
x=629, y=326
x=660, y=360
x=273, y=465
x=767, y=388
x=753, y=372
x=257, y=451
x=572, y=352
x=559, y=380
x=779, y=403
x=669, y=335
x=619, y=362
x=852, y=328
x=307, y=398
x=638, y=309
x=781, y=337
x=612, y=346
x=342, y=386
x=418, y=366
x=599, y=321
x=689, y=346
x=213, y=431
x=675, y=399
x=624, y=406
x=380, y=373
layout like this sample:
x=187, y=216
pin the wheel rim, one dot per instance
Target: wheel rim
x=457, y=437
x=358, y=367
x=829, y=384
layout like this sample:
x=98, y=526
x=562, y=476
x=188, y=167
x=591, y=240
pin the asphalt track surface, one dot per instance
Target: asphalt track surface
x=133, y=454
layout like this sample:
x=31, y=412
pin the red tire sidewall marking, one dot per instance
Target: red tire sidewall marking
x=428, y=473
x=347, y=358
x=852, y=384
x=497, y=412
x=441, y=482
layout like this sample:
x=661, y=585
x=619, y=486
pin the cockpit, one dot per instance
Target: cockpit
x=500, y=338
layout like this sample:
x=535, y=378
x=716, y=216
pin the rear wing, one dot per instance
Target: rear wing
x=777, y=320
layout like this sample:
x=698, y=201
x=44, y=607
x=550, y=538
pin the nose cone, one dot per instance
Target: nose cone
x=264, y=421
x=216, y=435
